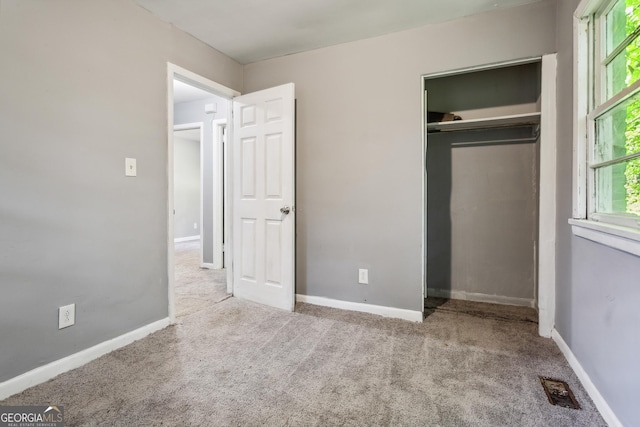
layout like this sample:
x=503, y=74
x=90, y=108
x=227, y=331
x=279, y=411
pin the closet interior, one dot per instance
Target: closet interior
x=482, y=184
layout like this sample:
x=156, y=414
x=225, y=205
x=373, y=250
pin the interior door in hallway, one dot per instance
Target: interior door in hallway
x=263, y=197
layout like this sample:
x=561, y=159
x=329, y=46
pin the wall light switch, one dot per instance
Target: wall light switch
x=130, y=167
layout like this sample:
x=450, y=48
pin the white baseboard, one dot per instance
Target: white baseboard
x=53, y=369
x=600, y=402
x=470, y=296
x=186, y=239
x=398, y=313
x=208, y=265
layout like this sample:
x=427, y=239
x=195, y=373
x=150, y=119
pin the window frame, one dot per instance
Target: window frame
x=621, y=231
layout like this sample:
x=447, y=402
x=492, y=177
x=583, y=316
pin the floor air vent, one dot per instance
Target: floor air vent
x=559, y=393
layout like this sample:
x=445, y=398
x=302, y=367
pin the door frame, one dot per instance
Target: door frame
x=547, y=215
x=219, y=194
x=200, y=127
x=176, y=72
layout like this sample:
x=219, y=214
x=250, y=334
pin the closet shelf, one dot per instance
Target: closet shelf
x=488, y=123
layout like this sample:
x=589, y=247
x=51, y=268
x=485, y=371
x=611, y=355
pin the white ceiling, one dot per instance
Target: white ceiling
x=183, y=92
x=252, y=30
x=188, y=134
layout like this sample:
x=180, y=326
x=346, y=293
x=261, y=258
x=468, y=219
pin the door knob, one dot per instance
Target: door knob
x=285, y=210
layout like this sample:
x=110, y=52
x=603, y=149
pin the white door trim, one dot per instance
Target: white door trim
x=200, y=126
x=184, y=75
x=219, y=200
x=547, y=214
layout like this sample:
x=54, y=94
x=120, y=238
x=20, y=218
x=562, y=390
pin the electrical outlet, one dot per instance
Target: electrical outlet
x=66, y=316
x=195, y=225
x=363, y=276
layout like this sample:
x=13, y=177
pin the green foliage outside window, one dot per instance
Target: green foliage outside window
x=623, y=21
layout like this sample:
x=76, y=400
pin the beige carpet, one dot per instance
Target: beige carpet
x=235, y=363
x=196, y=288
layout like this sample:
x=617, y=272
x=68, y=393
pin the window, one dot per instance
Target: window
x=613, y=119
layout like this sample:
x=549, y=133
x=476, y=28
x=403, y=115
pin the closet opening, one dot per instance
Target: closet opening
x=482, y=188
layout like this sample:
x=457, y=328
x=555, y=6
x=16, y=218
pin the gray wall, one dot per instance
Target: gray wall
x=359, y=151
x=83, y=84
x=186, y=173
x=193, y=112
x=482, y=216
x=598, y=291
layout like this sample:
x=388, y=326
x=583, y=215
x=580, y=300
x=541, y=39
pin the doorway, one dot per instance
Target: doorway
x=196, y=274
x=489, y=159
x=260, y=182
x=188, y=188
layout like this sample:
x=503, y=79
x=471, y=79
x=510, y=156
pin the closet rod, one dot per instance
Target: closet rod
x=495, y=141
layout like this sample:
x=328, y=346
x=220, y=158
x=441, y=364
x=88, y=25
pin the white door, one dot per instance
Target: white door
x=263, y=197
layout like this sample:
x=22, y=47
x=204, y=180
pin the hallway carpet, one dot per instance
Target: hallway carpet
x=236, y=363
x=196, y=288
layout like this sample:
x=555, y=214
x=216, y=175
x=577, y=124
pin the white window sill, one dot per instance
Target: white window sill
x=622, y=238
